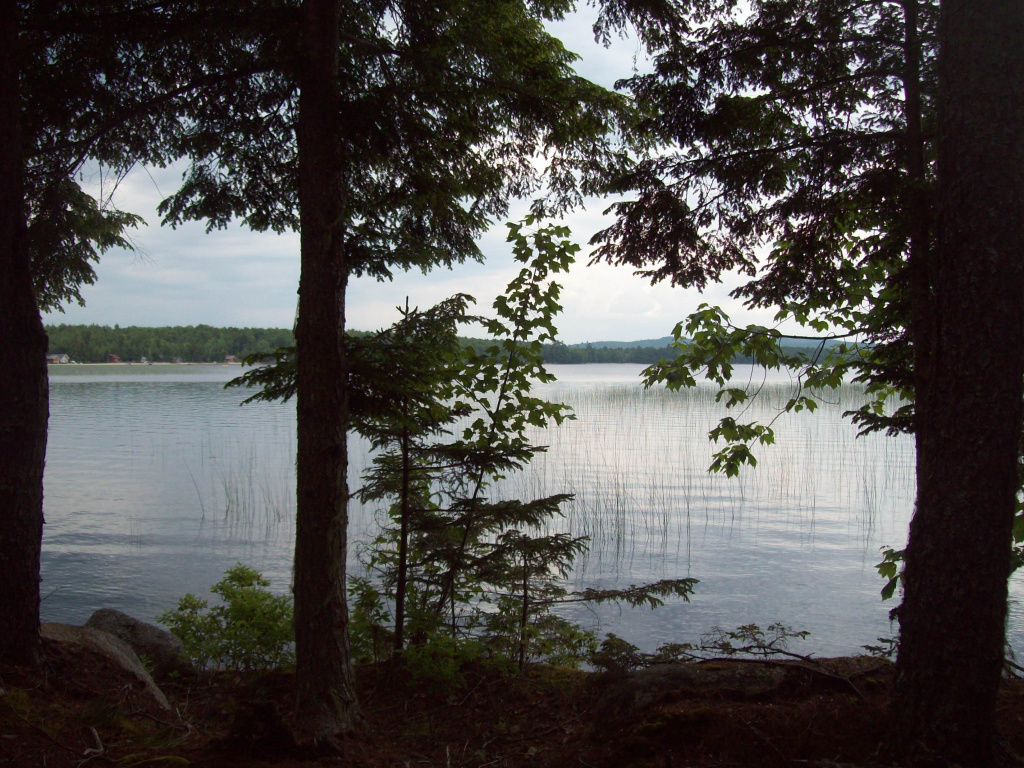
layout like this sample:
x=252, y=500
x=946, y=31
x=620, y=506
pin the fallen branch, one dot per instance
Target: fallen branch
x=800, y=663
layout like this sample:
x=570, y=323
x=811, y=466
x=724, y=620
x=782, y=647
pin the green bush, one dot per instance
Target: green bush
x=370, y=639
x=251, y=628
x=437, y=665
x=617, y=656
x=545, y=637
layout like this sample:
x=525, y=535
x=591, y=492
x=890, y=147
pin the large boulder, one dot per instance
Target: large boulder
x=110, y=647
x=160, y=648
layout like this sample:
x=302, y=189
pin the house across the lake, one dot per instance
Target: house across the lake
x=231, y=358
x=113, y=358
x=58, y=359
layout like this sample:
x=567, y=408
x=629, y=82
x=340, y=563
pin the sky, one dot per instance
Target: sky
x=235, y=277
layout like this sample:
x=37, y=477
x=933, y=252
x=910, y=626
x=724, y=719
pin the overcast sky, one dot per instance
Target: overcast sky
x=239, y=278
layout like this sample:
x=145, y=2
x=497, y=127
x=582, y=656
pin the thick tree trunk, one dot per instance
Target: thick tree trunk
x=24, y=405
x=958, y=555
x=326, y=704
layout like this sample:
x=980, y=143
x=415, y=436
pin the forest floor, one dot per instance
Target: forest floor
x=83, y=711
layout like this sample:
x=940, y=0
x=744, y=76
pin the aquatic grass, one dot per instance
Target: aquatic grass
x=256, y=489
x=637, y=461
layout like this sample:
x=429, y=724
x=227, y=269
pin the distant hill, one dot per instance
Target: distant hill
x=809, y=343
x=648, y=351
x=664, y=341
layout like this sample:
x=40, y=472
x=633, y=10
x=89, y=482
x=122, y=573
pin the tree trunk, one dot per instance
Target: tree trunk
x=23, y=381
x=921, y=261
x=405, y=509
x=326, y=704
x=969, y=413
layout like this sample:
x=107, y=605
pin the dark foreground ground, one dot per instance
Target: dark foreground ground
x=81, y=711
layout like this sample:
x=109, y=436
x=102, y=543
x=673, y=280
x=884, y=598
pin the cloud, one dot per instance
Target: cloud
x=185, y=276
x=598, y=63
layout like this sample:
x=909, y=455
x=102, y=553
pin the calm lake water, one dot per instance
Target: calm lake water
x=157, y=481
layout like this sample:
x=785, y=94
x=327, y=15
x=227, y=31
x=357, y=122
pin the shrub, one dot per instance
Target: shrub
x=437, y=665
x=370, y=639
x=251, y=628
x=617, y=656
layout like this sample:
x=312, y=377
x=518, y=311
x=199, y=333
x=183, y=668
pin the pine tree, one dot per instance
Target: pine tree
x=452, y=424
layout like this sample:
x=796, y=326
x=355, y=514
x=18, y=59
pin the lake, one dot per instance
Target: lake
x=157, y=481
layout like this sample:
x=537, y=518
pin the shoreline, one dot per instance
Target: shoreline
x=134, y=365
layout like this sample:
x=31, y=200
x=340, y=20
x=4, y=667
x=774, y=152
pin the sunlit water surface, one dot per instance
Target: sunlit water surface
x=157, y=480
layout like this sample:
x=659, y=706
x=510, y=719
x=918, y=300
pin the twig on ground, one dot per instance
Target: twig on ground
x=553, y=728
x=471, y=692
x=810, y=664
x=767, y=741
x=91, y=753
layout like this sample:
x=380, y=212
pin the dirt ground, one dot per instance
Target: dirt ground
x=82, y=711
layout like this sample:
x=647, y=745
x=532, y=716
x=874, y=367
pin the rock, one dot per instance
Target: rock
x=163, y=650
x=110, y=647
x=664, y=683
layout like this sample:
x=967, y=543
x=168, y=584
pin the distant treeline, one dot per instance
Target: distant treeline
x=576, y=354
x=586, y=353
x=206, y=344
x=562, y=353
x=187, y=344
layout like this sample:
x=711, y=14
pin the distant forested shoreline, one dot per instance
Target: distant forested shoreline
x=186, y=344
x=208, y=344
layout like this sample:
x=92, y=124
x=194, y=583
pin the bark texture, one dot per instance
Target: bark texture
x=969, y=411
x=24, y=404
x=919, y=224
x=326, y=705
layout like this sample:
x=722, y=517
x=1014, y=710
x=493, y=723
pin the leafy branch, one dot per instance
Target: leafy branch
x=708, y=344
